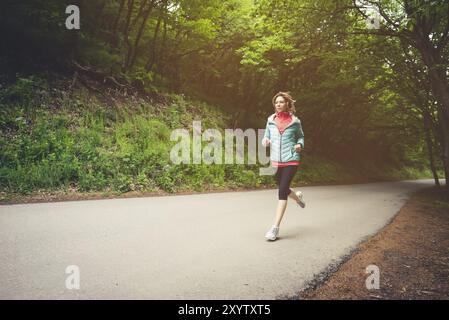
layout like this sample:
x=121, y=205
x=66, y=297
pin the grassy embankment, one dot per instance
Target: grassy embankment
x=58, y=141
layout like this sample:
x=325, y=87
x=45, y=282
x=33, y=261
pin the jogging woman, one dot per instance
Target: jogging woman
x=285, y=137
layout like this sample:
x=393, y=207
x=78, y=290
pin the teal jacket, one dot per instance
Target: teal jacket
x=283, y=145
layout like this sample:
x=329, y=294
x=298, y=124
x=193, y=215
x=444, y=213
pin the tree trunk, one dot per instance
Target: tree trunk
x=428, y=138
x=126, y=33
x=444, y=125
x=114, y=38
x=440, y=90
x=152, y=59
x=140, y=32
x=139, y=14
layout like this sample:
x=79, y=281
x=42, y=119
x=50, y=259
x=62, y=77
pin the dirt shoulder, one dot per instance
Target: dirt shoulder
x=412, y=254
x=58, y=196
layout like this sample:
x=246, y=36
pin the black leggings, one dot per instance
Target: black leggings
x=284, y=176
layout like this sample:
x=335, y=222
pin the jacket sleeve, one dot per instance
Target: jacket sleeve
x=300, y=136
x=267, y=132
x=266, y=136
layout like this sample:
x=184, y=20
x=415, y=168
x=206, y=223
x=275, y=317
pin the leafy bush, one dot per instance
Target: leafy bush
x=23, y=91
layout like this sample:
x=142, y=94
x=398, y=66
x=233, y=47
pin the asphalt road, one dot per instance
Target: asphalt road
x=203, y=246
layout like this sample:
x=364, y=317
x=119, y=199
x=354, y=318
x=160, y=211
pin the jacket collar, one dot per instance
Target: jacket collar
x=294, y=119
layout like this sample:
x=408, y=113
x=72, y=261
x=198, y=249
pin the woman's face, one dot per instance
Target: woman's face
x=280, y=104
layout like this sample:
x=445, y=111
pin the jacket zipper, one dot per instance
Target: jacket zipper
x=280, y=142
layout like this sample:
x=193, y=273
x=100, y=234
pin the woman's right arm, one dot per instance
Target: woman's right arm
x=266, y=139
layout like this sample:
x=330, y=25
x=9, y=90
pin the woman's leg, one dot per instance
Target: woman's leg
x=282, y=205
x=293, y=196
x=284, y=177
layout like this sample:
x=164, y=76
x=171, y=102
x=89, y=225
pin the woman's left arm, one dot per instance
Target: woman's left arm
x=299, y=138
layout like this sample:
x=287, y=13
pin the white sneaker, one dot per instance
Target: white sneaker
x=272, y=233
x=301, y=202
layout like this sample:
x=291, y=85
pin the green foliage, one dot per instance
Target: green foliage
x=96, y=149
x=141, y=78
x=23, y=91
x=100, y=56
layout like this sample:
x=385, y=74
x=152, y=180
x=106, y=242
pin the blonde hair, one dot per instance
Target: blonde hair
x=287, y=97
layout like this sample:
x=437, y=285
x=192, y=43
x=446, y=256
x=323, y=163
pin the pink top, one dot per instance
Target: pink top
x=284, y=164
x=282, y=120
